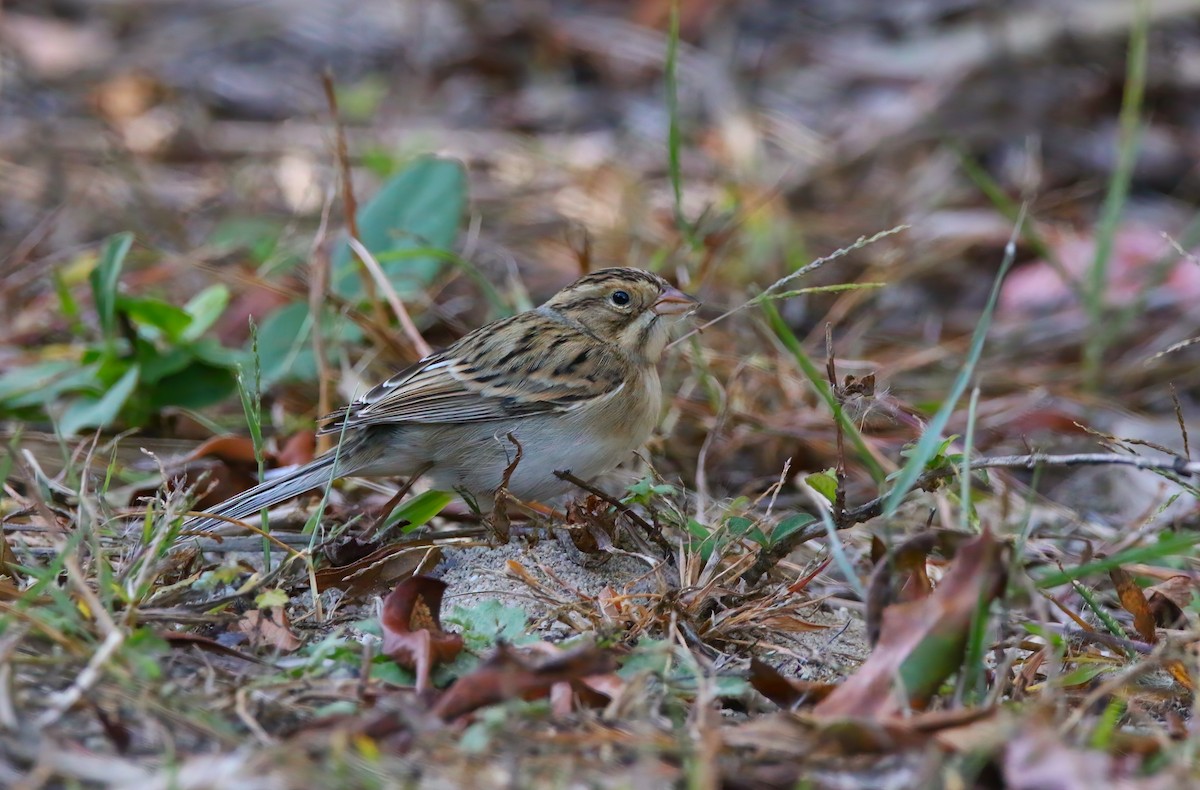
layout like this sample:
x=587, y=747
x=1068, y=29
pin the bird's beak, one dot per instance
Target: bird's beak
x=675, y=302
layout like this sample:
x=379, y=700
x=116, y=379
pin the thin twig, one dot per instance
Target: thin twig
x=1187, y=451
x=839, y=498
x=349, y=203
x=319, y=264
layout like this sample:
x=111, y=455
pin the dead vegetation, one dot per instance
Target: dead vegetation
x=922, y=508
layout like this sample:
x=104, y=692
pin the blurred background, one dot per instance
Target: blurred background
x=204, y=129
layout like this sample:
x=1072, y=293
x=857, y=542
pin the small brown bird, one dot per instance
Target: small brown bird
x=574, y=381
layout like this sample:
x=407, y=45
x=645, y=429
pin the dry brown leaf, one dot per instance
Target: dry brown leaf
x=901, y=575
x=269, y=628
x=1038, y=759
x=381, y=568
x=508, y=675
x=412, y=627
x=934, y=628
x=786, y=692
x=9, y=591
x=299, y=449
x=230, y=449
x=1134, y=601
x=1168, y=599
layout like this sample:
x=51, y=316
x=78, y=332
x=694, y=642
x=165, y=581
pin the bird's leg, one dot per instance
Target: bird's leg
x=499, y=521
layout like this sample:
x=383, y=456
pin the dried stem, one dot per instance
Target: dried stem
x=406, y=323
x=349, y=203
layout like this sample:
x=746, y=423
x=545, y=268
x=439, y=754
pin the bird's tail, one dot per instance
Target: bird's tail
x=315, y=474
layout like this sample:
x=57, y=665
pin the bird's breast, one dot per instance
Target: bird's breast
x=587, y=441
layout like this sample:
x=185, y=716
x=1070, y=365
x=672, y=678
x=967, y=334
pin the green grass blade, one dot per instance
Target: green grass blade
x=1129, y=127
x=817, y=378
x=674, y=168
x=931, y=439
x=1174, y=545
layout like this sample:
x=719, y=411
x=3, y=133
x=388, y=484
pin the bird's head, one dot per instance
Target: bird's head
x=625, y=307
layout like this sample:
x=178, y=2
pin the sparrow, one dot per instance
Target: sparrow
x=574, y=382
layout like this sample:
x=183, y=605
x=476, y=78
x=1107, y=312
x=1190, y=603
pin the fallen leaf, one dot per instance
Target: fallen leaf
x=507, y=675
x=1135, y=263
x=1168, y=599
x=900, y=574
x=269, y=628
x=806, y=579
x=117, y=732
x=230, y=449
x=11, y=592
x=921, y=643
x=1134, y=601
x=1037, y=759
x=412, y=627
x=789, y=623
x=787, y=693
x=299, y=449
x=380, y=569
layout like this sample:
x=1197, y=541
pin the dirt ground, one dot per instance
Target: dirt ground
x=923, y=231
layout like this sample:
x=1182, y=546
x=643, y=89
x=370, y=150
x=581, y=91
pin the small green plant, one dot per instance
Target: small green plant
x=144, y=354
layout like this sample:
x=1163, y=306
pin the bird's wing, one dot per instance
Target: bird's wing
x=524, y=365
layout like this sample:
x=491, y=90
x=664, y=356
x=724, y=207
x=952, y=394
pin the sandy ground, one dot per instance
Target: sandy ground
x=555, y=590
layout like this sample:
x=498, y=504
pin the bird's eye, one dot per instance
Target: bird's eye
x=620, y=298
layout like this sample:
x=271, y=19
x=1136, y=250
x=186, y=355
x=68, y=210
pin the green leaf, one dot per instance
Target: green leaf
x=697, y=529
x=144, y=650
x=648, y=655
x=385, y=670
x=824, y=483
x=933, y=660
x=258, y=236
x=210, y=350
x=421, y=206
x=738, y=525
x=285, y=345
x=482, y=625
x=157, y=365
x=1084, y=673
x=83, y=378
x=32, y=378
x=205, y=308
x=196, y=386
x=931, y=438
x=282, y=340
x=418, y=510
x=66, y=300
x=791, y=524
x=154, y=318
x=646, y=489
x=104, y=279
x=93, y=412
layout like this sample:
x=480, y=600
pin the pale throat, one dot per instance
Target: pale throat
x=645, y=338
